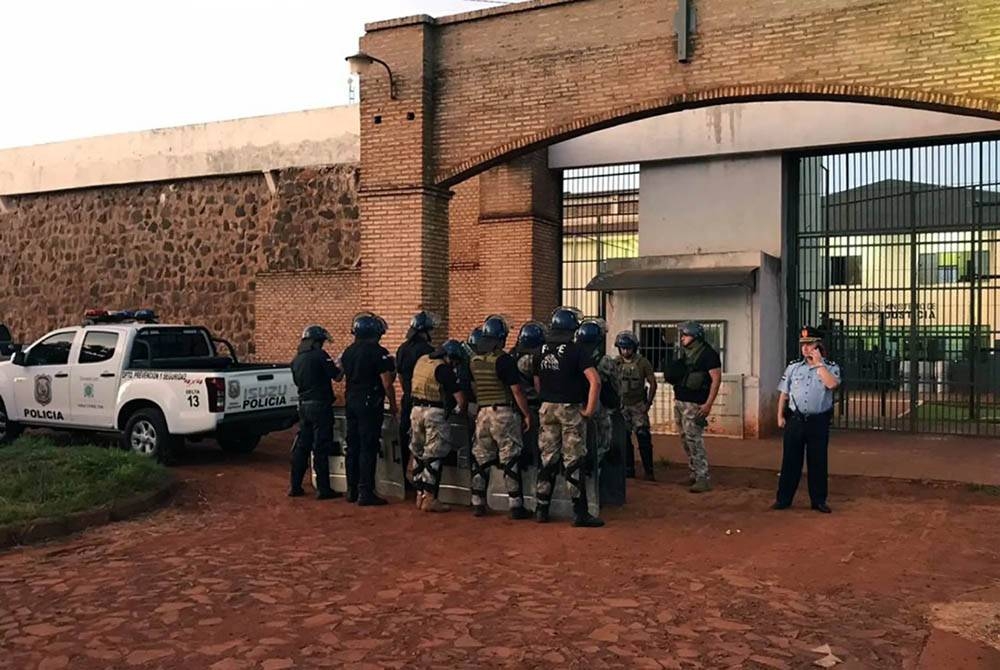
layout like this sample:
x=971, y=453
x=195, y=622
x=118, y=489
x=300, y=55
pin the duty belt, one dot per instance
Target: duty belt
x=427, y=403
x=805, y=418
x=499, y=404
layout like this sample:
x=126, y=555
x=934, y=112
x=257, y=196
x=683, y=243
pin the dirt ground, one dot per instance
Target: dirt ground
x=235, y=575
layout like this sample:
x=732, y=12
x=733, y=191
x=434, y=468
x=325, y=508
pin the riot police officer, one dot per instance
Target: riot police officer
x=498, y=438
x=417, y=344
x=696, y=377
x=435, y=394
x=590, y=336
x=530, y=339
x=369, y=371
x=637, y=381
x=570, y=388
x=805, y=407
x=312, y=371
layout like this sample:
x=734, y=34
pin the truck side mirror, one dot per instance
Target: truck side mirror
x=18, y=358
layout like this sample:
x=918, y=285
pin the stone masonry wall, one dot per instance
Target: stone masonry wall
x=193, y=250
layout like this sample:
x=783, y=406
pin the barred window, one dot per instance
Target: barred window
x=659, y=341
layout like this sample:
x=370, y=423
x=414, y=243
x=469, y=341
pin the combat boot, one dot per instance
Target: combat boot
x=582, y=517
x=519, y=513
x=701, y=486
x=542, y=513
x=479, y=510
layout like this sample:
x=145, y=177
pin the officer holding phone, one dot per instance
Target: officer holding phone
x=805, y=408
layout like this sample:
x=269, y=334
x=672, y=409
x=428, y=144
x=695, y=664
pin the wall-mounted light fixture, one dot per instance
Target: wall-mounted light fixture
x=361, y=62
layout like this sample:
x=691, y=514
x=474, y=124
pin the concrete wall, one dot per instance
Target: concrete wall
x=714, y=206
x=758, y=127
x=315, y=137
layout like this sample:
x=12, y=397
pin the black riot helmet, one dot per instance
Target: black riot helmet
x=368, y=326
x=564, y=323
x=590, y=332
x=454, y=350
x=531, y=336
x=475, y=340
x=424, y=322
x=495, y=328
x=626, y=340
x=316, y=333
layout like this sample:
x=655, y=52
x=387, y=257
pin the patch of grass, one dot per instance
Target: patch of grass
x=39, y=479
x=987, y=489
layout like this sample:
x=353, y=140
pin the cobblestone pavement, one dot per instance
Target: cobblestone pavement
x=235, y=575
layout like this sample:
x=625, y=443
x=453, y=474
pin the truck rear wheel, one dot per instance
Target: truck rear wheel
x=238, y=443
x=9, y=431
x=146, y=434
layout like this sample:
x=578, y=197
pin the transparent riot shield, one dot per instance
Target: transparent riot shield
x=388, y=468
x=561, y=505
x=496, y=494
x=612, y=472
x=338, y=462
x=456, y=471
x=390, y=471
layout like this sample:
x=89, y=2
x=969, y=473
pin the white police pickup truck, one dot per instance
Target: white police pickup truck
x=153, y=385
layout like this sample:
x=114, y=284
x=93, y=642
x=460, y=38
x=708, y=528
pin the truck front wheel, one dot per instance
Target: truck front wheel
x=146, y=434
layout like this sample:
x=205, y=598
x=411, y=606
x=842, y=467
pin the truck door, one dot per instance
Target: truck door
x=94, y=378
x=41, y=387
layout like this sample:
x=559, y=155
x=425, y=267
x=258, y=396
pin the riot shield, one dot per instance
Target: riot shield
x=338, y=461
x=496, y=494
x=388, y=468
x=561, y=505
x=612, y=473
x=390, y=471
x=456, y=471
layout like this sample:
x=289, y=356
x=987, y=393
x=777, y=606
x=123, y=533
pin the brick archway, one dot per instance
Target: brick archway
x=939, y=102
x=475, y=91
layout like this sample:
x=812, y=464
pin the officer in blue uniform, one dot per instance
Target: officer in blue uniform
x=805, y=407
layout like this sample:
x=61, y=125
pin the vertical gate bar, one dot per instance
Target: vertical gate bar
x=977, y=282
x=914, y=387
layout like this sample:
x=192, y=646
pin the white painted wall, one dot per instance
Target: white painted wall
x=296, y=139
x=755, y=127
x=711, y=205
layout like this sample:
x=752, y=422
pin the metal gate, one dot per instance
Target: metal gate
x=898, y=259
x=600, y=221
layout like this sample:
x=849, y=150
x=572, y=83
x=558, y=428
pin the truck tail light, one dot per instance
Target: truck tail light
x=216, y=394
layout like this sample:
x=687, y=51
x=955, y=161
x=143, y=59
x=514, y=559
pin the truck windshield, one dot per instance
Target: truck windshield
x=166, y=343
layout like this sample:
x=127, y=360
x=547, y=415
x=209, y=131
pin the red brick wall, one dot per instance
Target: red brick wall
x=566, y=67
x=287, y=302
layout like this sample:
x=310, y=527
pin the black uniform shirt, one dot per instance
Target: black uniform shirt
x=312, y=371
x=709, y=360
x=364, y=362
x=407, y=355
x=560, y=367
x=507, y=372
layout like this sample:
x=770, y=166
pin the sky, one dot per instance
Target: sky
x=80, y=69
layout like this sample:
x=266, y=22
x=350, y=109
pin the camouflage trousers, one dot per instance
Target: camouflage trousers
x=498, y=442
x=430, y=443
x=686, y=417
x=562, y=437
x=602, y=430
x=636, y=416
